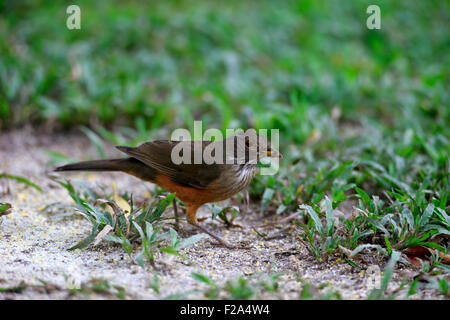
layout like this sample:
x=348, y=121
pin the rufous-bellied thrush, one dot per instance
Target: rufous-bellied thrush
x=227, y=171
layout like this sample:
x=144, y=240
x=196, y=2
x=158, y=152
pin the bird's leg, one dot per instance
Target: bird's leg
x=192, y=219
x=175, y=211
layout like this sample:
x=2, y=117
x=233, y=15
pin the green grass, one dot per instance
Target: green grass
x=237, y=288
x=5, y=208
x=267, y=65
x=142, y=225
x=21, y=180
x=84, y=290
x=363, y=115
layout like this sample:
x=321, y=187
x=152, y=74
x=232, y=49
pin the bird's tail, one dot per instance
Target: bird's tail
x=128, y=165
x=96, y=165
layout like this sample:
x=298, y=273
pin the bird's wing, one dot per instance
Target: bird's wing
x=157, y=154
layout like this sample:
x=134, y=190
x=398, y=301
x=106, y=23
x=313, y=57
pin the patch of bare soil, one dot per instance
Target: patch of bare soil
x=35, y=262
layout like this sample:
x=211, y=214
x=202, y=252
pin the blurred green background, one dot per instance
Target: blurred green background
x=271, y=64
x=353, y=106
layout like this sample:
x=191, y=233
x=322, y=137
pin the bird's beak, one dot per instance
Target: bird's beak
x=274, y=154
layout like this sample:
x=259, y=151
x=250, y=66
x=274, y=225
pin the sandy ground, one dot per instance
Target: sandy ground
x=33, y=244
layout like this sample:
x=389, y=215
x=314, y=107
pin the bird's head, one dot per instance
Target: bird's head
x=253, y=147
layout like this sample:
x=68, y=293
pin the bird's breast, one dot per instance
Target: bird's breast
x=233, y=179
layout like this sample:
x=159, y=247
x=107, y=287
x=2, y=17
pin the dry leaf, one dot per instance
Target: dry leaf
x=445, y=258
x=107, y=229
x=121, y=202
x=423, y=253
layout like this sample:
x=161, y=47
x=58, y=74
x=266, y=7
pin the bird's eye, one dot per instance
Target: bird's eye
x=247, y=143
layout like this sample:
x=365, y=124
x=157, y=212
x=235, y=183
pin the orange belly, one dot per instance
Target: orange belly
x=185, y=194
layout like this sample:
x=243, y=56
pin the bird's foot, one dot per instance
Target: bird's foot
x=230, y=246
x=219, y=240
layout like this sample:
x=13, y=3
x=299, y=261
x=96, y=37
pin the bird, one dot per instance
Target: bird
x=222, y=171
